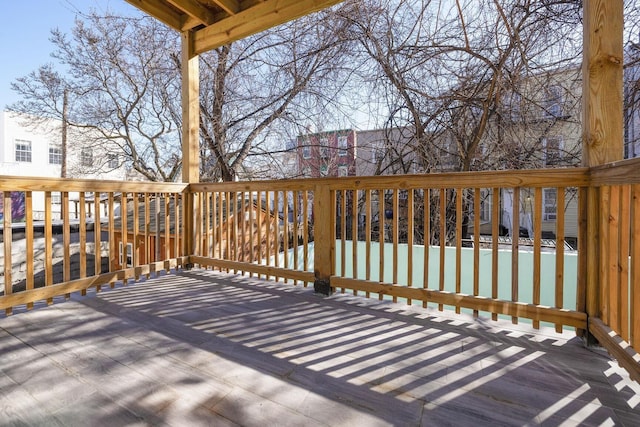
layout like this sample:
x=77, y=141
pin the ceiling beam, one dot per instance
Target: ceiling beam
x=230, y=6
x=159, y=10
x=257, y=18
x=194, y=10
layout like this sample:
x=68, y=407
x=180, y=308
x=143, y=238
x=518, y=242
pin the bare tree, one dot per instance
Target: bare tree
x=252, y=87
x=123, y=93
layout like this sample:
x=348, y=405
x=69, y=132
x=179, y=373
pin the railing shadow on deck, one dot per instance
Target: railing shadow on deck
x=372, y=354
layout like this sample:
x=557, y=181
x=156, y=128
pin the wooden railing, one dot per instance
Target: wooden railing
x=613, y=265
x=119, y=234
x=382, y=237
x=500, y=244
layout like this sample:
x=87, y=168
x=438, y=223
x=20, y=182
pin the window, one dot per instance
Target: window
x=55, y=155
x=512, y=106
x=324, y=152
x=553, y=102
x=377, y=154
x=86, y=157
x=306, y=152
x=129, y=255
x=343, y=146
x=485, y=204
x=549, y=203
x=343, y=170
x=23, y=151
x=112, y=161
x=553, y=150
x=324, y=170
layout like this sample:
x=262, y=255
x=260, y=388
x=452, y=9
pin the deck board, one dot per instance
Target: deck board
x=204, y=348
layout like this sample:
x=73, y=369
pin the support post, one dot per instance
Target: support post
x=190, y=134
x=603, y=129
x=324, y=238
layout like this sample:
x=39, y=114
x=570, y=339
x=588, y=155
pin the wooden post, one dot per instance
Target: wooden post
x=603, y=128
x=324, y=238
x=190, y=134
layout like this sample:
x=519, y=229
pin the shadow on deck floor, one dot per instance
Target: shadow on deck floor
x=206, y=348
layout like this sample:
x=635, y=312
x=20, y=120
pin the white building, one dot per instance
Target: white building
x=36, y=151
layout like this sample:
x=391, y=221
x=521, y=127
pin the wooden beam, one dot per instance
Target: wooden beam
x=603, y=125
x=194, y=10
x=260, y=17
x=190, y=111
x=603, y=130
x=230, y=6
x=161, y=11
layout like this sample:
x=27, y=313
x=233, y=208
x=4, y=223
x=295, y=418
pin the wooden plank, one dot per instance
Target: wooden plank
x=160, y=11
x=537, y=247
x=97, y=239
x=459, y=214
x=178, y=225
x=613, y=260
x=113, y=254
x=476, y=244
x=135, y=256
x=603, y=259
x=66, y=238
x=324, y=233
x=266, y=270
x=259, y=223
x=381, y=235
x=147, y=229
x=495, y=222
x=515, y=247
x=243, y=228
x=443, y=238
x=624, y=242
x=83, y=235
x=48, y=243
x=519, y=309
x=157, y=222
x=259, y=17
x=269, y=229
x=367, y=232
x=354, y=234
x=568, y=177
x=560, y=219
x=252, y=219
x=13, y=183
x=394, y=230
x=305, y=238
x=602, y=79
x=7, y=240
x=124, y=232
x=426, y=226
x=634, y=294
x=624, y=354
x=28, y=235
x=190, y=109
x=343, y=233
x=196, y=10
x=296, y=228
x=167, y=224
x=276, y=236
x=410, y=232
x=285, y=234
x=620, y=172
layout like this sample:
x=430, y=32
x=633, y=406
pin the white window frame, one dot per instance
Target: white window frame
x=23, y=151
x=549, y=204
x=343, y=146
x=553, y=102
x=86, y=157
x=343, y=171
x=559, y=158
x=55, y=154
x=129, y=254
x=113, y=161
x=306, y=151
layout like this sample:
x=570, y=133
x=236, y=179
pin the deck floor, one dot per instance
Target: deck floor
x=205, y=348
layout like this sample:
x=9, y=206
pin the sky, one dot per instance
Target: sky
x=25, y=28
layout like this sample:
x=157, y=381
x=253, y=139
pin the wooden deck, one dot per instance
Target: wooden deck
x=205, y=348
